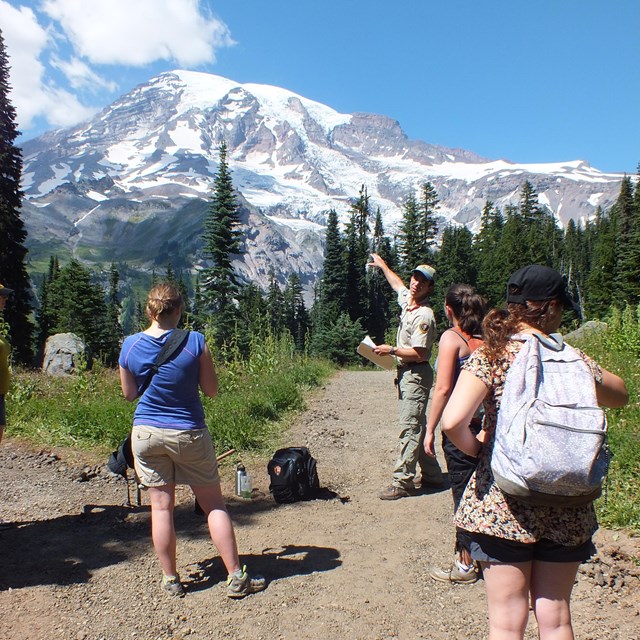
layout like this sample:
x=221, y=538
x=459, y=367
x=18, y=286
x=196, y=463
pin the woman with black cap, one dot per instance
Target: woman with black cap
x=529, y=554
x=5, y=350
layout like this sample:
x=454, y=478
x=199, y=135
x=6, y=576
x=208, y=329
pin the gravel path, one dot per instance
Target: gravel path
x=78, y=565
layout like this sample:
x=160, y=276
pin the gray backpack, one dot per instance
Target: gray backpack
x=550, y=442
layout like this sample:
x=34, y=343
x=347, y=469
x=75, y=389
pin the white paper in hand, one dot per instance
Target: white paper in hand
x=365, y=349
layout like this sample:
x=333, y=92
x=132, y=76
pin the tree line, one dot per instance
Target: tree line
x=601, y=260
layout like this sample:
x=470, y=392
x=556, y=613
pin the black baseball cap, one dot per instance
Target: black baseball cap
x=538, y=283
x=5, y=291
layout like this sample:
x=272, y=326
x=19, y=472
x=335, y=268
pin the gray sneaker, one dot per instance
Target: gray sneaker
x=455, y=574
x=173, y=586
x=242, y=584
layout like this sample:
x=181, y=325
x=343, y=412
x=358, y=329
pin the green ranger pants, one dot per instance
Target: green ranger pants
x=414, y=386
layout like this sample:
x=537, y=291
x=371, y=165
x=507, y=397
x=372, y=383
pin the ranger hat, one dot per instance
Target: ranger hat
x=538, y=283
x=5, y=291
x=428, y=272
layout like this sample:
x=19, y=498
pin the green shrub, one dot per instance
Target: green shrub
x=617, y=350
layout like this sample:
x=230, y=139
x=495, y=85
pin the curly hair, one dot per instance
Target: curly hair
x=500, y=324
x=468, y=306
x=162, y=300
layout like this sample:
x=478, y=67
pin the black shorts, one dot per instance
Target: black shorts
x=3, y=415
x=498, y=550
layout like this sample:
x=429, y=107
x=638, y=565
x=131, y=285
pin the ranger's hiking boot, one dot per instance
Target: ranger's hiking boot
x=241, y=584
x=456, y=574
x=395, y=493
x=173, y=586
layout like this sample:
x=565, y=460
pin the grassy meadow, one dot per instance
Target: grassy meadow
x=87, y=410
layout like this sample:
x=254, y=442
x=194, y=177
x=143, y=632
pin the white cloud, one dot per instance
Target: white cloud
x=138, y=32
x=25, y=40
x=81, y=76
x=54, y=49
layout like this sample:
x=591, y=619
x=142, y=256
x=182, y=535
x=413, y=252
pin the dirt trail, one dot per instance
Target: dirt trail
x=77, y=565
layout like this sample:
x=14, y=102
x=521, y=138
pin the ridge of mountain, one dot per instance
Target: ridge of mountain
x=131, y=184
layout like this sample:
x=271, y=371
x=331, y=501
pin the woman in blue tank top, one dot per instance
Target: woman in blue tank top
x=465, y=310
x=170, y=440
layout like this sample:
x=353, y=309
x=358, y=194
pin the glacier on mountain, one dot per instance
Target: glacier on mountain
x=132, y=183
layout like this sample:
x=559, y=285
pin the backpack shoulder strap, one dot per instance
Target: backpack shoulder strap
x=175, y=341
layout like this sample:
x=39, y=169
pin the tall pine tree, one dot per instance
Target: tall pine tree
x=13, y=271
x=222, y=240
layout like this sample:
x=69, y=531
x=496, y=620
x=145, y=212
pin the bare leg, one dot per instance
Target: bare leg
x=163, y=532
x=220, y=526
x=551, y=586
x=507, y=588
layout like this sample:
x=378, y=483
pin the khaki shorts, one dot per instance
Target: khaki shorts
x=174, y=456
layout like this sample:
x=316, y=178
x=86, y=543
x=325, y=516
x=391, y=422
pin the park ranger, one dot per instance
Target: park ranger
x=416, y=335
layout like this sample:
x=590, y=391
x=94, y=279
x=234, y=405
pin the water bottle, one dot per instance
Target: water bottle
x=246, y=486
x=240, y=474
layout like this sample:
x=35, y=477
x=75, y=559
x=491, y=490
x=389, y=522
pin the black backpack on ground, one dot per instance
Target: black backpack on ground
x=293, y=475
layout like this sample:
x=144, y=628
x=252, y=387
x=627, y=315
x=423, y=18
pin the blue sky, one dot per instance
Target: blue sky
x=536, y=81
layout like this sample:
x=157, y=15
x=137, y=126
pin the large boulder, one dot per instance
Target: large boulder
x=587, y=329
x=63, y=352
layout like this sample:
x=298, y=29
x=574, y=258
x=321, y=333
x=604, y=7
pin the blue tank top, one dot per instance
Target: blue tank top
x=172, y=400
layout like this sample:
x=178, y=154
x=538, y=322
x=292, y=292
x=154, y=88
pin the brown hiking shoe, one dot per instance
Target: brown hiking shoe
x=394, y=493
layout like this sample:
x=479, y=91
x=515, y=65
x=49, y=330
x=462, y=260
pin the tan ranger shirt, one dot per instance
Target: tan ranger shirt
x=417, y=326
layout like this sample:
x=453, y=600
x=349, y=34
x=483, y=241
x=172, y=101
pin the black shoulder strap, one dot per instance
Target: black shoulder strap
x=174, y=342
x=460, y=334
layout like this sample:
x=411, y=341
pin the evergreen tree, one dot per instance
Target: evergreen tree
x=45, y=316
x=358, y=252
x=296, y=315
x=114, y=332
x=429, y=202
x=627, y=268
x=275, y=306
x=455, y=263
x=79, y=307
x=380, y=295
x=330, y=302
x=13, y=271
x=488, y=250
x=603, y=262
x=253, y=324
x=411, y=251
x=222, y=240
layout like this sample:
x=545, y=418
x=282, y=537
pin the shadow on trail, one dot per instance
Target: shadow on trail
x=274, y=563
x=67, y=549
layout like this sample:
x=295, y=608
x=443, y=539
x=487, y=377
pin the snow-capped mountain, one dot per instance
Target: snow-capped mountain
x=131, y=184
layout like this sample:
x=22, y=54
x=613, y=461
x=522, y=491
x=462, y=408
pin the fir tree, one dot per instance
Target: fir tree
x=13, y=271
x=492, y=275
x=222, y=240
x=429, y=202
x=603, y=262
x=627, y=268
x=114, y=332
x=79, y=307
x=358, y=251
x=379, y=293
x=295, y=313
x=275, y=306
x=411, y=252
